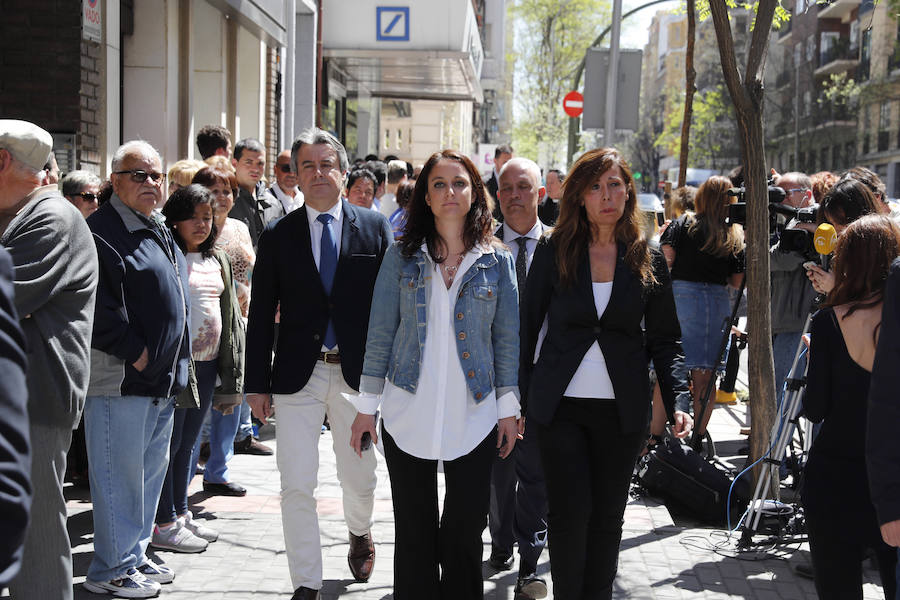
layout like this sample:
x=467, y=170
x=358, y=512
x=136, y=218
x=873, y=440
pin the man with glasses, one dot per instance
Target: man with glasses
x=284, y=196
x=792, y=293
x=81, y=189
x=140, y=357
x=55, y=283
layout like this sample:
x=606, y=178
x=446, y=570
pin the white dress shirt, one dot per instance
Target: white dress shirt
x=441, y=420
x=591, y=380
x=531, y=241
x=290, y=204
x=315, y=237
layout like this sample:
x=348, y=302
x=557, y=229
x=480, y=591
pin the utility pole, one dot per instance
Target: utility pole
x=575, y=122
x=612, y=75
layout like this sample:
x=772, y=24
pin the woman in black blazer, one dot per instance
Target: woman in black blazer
x=595, y=280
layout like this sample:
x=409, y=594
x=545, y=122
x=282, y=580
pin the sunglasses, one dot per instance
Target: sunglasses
x=88, y=197
x=139, y=176
x=284, y=168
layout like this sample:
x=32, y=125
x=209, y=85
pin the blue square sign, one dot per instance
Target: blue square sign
x=392, y=23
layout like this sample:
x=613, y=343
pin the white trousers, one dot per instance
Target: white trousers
x=299, y=424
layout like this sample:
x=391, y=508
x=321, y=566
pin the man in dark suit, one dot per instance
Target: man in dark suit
x=548, y=211
x=519, y=512
x=320, y=263
x=502, y=153
x=882, y=452
x=15, y=455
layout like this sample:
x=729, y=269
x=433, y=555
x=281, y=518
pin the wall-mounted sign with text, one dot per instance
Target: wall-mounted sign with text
x=91, y=21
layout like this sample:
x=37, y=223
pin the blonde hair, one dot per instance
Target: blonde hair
x=183, y=171
x=220, y=162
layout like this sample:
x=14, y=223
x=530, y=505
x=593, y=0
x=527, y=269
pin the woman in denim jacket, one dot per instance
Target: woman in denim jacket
x=442, y=361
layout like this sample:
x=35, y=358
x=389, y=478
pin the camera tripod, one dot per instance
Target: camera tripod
x=781, y=436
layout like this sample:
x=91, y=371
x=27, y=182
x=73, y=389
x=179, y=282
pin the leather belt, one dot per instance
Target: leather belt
x=332, y=358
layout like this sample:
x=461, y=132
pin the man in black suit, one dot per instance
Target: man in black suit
x=15, y=455
x=548, y=211
x=320, y=263
x=519, y=512
x=882, y=452
x=502, y=153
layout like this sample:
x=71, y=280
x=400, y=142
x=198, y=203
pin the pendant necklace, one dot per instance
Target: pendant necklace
x=450, y=270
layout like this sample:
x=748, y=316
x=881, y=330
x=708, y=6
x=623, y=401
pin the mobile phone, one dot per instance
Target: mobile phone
x=366, y=442
x=809, y=264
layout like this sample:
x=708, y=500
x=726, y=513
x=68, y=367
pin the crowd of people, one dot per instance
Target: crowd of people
x=499, y=331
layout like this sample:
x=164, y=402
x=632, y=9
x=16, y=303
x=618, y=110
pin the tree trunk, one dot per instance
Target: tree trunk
x=690, y=76
x=747, y=95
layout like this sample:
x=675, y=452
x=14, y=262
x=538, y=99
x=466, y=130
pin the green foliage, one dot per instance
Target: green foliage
x=712, y=128
x=782, y=15
x=551, y=37
x=839, y=89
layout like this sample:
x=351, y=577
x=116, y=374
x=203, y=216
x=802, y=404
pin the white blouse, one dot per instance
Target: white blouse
x=591, y=380
x=441, y=420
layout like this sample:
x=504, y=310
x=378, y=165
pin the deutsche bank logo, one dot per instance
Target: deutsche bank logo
x=392, y=23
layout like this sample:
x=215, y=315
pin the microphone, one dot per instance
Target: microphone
x=824, y=241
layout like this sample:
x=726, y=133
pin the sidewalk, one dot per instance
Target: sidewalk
x=659, y=559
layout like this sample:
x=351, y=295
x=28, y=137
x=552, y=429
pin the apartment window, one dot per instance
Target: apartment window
x=849, y=154
x=884, y=117
x=807, y=103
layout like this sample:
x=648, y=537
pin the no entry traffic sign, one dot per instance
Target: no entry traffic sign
x=573, y=103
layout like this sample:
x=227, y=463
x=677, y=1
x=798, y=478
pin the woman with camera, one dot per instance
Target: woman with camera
x=840, y=516
x=595, y=281
x=442, y=361
x=704, y=254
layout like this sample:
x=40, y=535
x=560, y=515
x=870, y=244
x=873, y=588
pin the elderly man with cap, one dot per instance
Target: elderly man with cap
x=55, y=282
x=140, y=356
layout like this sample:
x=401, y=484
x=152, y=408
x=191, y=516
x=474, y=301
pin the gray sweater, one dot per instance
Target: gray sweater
x=55, y=280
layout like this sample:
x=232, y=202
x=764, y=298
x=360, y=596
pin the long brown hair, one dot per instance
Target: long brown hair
x=711, y=204
x=862, y=260
x=573, y=231
x=419, y=225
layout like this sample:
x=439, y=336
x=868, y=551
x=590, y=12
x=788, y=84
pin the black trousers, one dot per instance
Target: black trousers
x=837, y=545
x=519, y=502
x=588, y=463
x=439, y=559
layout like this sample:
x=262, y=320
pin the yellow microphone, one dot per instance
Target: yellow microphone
x=824, y=240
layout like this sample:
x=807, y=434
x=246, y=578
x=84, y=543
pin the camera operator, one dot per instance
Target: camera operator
x=792, y=293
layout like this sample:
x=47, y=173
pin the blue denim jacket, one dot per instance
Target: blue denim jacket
x=485, y=317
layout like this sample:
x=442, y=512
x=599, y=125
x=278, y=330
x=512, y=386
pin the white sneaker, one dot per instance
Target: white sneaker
x=157, y=573
x=131, y=585
x=198, y=529
x=177, y=538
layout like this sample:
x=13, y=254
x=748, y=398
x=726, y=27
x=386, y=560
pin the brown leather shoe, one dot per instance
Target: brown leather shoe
x=361, y=557
x=304, y=593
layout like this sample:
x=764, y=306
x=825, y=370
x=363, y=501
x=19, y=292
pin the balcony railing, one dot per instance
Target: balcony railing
x=841, y=50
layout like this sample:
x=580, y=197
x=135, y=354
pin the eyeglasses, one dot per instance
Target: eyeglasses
x=795, y=190
x=284, y=168
x=88, y=197
x=139, y=176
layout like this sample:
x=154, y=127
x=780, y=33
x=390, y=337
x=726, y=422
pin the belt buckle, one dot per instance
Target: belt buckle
x=333, y=353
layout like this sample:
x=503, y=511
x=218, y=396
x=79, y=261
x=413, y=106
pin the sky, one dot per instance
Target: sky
x=636, y=28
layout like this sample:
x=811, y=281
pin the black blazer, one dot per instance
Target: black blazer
x=882, y=450
x=573, y=326
x=285, y=272
x=548, y=211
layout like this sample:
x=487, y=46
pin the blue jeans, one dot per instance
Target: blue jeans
x=173, y=498
x=245, y=426
x=784, y=347
x=222, y=429
x=128, y=450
